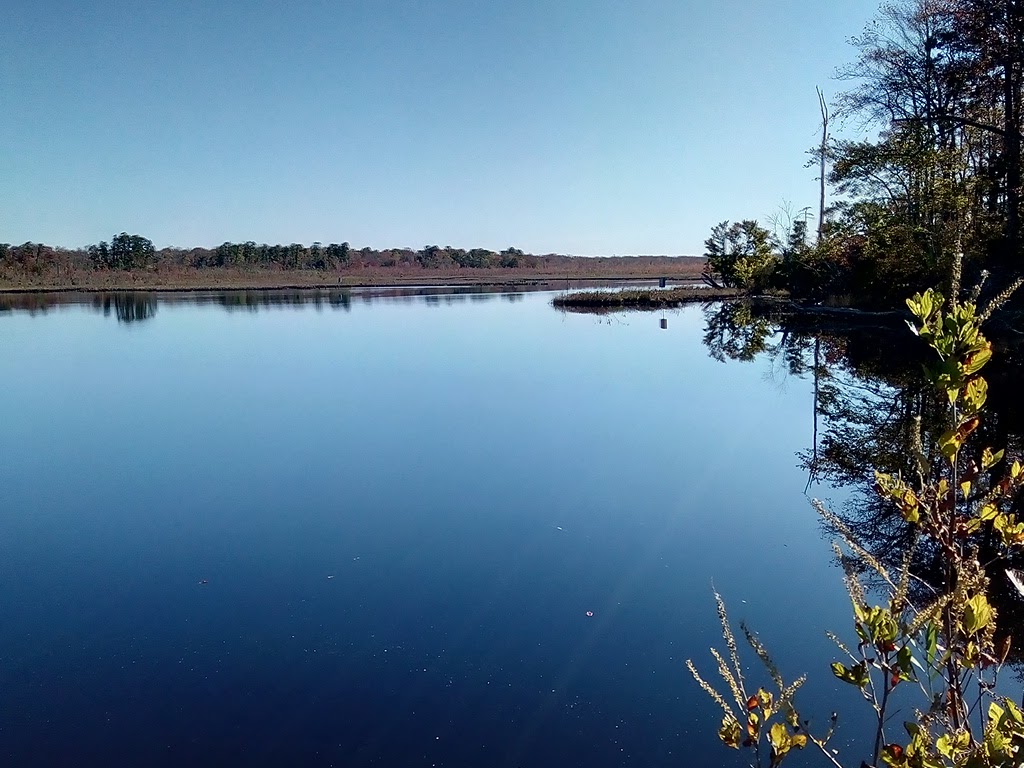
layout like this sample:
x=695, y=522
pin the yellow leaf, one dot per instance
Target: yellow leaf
x=730, y=732
x=995, y=712
x=778, y=736
x=1015, y=713
x=977, y=614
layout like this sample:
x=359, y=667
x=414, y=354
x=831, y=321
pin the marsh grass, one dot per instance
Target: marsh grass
x=644, y=298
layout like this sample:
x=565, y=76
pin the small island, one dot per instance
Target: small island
x=642, y=298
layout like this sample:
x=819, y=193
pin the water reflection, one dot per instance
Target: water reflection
x=869, y=390
x=136, y=306
x=373, y=543
x=127, y=307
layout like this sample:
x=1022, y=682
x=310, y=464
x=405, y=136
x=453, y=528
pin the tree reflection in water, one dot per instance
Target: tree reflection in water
x=868, y=389
x=136, y=306
x=127, y=307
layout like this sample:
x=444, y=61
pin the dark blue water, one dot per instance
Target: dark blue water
x=368, y=532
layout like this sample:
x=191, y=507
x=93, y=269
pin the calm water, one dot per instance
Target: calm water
x=367, y=531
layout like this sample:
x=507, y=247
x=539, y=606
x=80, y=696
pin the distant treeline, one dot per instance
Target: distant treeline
x=127, y=252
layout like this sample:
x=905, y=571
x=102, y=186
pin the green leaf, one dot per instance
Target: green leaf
x=976, y=361
x=952, y=441
x=998, y=745
x=990, y=459
x=923, y=304
x=975, y=394
x=856, y=675
x=1014, y=712
x=931, y=643
x=905, y=660
x=917, y=306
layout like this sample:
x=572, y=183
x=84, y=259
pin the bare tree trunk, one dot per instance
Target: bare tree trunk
x=821, y=159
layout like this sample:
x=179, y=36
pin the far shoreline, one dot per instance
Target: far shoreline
x=204, y=280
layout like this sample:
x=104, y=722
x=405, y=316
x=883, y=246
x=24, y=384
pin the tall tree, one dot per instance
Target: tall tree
x=131, y=251
x=941, y=79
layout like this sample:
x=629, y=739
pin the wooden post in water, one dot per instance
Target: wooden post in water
x=661, y=283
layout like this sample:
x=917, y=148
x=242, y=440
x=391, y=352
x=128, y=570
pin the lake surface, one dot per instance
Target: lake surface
x=368, y=531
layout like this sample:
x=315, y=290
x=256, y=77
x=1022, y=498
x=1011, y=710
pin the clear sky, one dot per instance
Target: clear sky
x=572, y=126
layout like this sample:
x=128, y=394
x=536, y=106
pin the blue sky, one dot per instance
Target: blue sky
x=572, y=126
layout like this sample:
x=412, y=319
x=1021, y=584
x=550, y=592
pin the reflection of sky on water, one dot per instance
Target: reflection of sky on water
x=474, y=479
